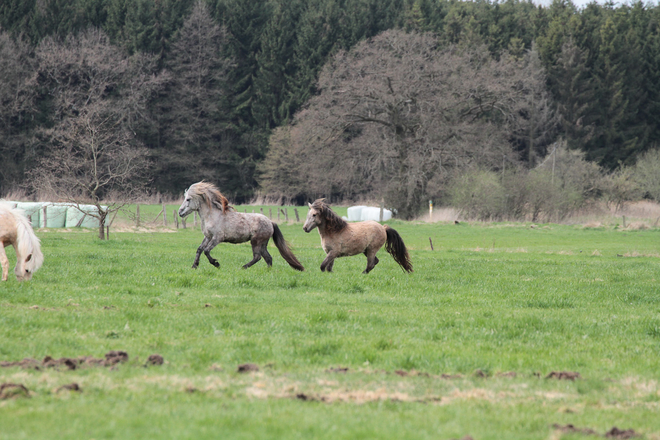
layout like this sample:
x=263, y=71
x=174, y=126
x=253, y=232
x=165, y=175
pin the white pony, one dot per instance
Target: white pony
x=15, y=230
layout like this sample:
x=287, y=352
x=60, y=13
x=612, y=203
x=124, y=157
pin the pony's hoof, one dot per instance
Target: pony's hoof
x=215, y=263
x=194, y=266
x=245, y=266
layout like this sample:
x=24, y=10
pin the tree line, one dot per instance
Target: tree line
x=225, y=82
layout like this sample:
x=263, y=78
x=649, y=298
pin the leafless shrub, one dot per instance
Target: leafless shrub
x=560, y=186
x=646, y=173
x=620, y=187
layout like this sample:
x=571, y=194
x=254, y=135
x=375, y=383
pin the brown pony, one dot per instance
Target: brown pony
x=342, y=239
x=221, y=223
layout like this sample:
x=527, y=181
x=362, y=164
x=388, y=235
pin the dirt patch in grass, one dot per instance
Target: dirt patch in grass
x=572, y=429
x=111, y=358
x=614, y=433
x=13, y=391
x=154, y=359
x=246, y=368
x=620, y=434
x=70, y=387
x=563, y=375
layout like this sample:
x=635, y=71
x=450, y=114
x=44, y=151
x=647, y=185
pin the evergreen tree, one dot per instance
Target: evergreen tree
x=275, y=67
x=192, y=126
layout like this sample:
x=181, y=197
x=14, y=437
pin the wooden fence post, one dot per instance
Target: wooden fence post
x=278, y=215
x=176, y=220
x=44, y=217
x=297, y=216
x=261, y=210
x=270, y=213
x=137, y=215
x=164, y=215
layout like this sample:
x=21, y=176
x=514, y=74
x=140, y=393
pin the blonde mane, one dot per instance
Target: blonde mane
x=27, y=242
x=211, y=195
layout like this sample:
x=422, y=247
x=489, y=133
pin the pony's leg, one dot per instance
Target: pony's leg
x=256, y=253
x=213, y=242
x=4, y=262
x=328, y=262
x=372, y=261
x=200, y=249
x=264, y=253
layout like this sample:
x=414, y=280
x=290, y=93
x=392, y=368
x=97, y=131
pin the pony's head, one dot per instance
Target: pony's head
x=320, y=214
x=203, y=193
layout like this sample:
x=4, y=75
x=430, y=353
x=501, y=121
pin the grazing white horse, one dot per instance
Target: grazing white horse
x=15, y=230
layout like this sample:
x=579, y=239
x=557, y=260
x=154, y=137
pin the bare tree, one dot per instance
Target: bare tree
x=398, y=114
x=98, y=95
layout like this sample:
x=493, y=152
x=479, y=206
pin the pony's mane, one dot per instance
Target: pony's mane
x=334, y=223
x=27, y=242
x=211, y=195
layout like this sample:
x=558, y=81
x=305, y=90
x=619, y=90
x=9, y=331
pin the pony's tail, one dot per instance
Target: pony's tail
x=397, y=249
x=286, y=253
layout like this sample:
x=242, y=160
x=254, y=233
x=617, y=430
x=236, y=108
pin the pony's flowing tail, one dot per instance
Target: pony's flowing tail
x=286, y=253
x=397, y=249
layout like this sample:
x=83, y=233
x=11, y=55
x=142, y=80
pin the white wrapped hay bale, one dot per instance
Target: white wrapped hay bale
x=55, y=215
x=33, y=210
x=354, y=213
x=369, y=213
x=83, y=216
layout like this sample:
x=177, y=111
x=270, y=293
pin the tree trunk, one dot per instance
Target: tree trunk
x=102, y=216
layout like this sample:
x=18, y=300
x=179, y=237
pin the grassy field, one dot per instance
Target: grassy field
x=462, y=346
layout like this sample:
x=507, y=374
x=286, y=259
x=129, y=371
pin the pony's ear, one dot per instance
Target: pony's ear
x=29, y=257
x=310, y=205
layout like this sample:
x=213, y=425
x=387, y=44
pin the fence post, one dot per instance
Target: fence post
x=261, y=210
x=44, y=217
x=297, y=216
x=176, y=220
x=270, y=213
x=164, y=215
x=286, y=215
x=278, y=215
x=137, y=215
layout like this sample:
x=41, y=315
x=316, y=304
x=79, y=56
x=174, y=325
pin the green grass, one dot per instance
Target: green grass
x=496, y=298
